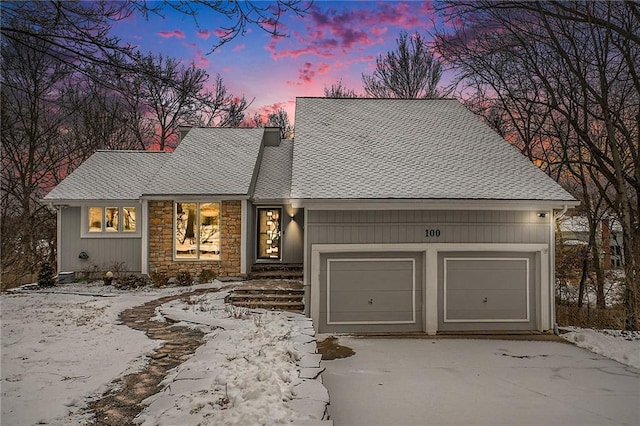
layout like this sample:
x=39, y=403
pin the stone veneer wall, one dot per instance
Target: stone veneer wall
x=161, y=242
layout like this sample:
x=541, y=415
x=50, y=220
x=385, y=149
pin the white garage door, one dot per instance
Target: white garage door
x=487, y=292
x=371, y=292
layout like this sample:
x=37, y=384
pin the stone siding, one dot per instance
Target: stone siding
x=161, y=242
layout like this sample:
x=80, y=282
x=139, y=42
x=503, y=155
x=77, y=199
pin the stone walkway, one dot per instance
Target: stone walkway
x=121, y=404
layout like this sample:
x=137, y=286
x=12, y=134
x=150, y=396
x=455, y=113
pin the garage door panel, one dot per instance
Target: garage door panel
x=373, y=265
x=373, y=317
x=487, y=289
x=361, y=280
x=487, y=301
x=367, y=301
x=367, y=290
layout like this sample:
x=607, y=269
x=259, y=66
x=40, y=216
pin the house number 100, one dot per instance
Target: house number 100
x=431, y=233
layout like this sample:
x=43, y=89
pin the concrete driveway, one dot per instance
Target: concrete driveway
x=478, y=382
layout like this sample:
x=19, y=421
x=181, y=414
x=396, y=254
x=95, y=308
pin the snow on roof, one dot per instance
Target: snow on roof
x=109, y=175
x=407, y=149
x=274, y=177
x=210, y=161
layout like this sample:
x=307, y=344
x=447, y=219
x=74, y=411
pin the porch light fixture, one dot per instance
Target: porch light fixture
x=542, y=214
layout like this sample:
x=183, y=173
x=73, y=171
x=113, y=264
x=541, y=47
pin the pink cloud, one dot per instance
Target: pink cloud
x=307, y=73
x=203, y=34
x=330, y=31
x=379, y=31
x=239, y=48
x=219, y=32
x=200, y=61
x=264, y=111
x=174, y=33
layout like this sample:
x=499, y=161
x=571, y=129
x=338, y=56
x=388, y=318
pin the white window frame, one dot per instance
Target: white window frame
x=84, y=221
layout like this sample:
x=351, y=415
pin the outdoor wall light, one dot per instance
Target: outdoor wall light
x=542, y=214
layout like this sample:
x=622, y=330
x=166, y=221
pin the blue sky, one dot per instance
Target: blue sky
x=335, y=40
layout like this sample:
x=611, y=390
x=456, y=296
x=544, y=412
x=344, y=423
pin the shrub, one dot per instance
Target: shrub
x=206, y=275
x=159, y=279
x=183, y=278
x=131, y=281
x=46, y=277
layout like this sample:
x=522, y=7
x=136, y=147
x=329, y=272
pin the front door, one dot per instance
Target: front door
x=269, y=233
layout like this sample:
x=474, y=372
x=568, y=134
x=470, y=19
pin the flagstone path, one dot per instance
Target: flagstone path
x=122, y=403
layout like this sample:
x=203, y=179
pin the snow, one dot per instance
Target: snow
x=246, y=373
x=621, y=346
x=464, y=381
x=64, y=346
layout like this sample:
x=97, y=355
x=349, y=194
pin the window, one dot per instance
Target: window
x=197, y=231
x=111, y=219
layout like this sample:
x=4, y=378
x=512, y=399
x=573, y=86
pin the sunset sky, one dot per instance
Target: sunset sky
x=335, y=40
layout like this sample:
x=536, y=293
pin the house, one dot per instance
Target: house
x=574, y=231
x=408, y=215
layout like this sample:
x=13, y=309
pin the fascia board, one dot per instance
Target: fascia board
x=397, y=204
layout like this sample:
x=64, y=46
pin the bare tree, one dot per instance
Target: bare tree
x=578, y=62
x=218, y=107
x=171, y=93
x=280, y=119
x=338, y=90
x=411, y=71
x=33, y=115
x=80, y=30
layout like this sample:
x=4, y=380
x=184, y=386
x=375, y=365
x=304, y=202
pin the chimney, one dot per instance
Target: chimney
x=271, y=136
x=182, y=132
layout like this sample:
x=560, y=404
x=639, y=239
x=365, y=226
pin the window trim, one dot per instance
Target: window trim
x=198, y=203
x=84, y=220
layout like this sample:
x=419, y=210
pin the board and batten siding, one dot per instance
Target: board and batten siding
x=104, y=253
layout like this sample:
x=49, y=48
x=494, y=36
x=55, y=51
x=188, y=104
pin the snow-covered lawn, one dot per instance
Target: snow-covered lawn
x=622, y=346
x=63, y=347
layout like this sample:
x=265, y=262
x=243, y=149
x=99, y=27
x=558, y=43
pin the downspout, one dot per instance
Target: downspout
x=552, y=266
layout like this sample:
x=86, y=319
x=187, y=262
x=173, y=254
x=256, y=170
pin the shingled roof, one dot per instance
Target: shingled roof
x=274, y=178
x=109, y=175
x=407, y=149
x=210, y=162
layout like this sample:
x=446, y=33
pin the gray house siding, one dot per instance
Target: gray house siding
x=293, y=238
x=408, y=226
x=514, y=299
x=104, y=253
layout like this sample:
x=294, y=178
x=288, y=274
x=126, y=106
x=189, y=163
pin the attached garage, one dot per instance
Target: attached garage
x=420, y=218
x=429, y=287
